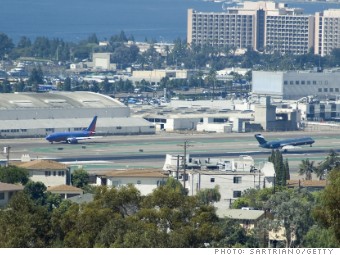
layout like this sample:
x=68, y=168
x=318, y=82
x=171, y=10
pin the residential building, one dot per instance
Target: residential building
x=310, y=185
x=145, y=180
x=327, y=31
x=66, y=191
x=231, y=183
x=7, y=190
x=266, y=26
x=247, y=217
x=49, y=172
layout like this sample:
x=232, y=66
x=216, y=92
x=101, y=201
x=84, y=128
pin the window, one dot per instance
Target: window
x=297, y=82
x=237, y=179
x=319, y=89
x=139, y=182
x=236, y=194
x=285, y=82
x=118, y=127
x=47, y=173
x=2, y=196
x=325, y=89
x=212, y=179
x=303, y=82
x=54, y=173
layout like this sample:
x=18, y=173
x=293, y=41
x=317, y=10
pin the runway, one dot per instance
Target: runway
x=149, y=151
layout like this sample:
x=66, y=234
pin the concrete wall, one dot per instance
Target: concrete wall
x=144, y=184
x=51, y=180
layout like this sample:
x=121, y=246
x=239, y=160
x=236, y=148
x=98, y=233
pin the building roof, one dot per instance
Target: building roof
x=43, y=165
x=135, y=173
x=57, y=100
x=10, y=187
x=64, y=188
x=240, y=214
x=83, y=198
x=307, y=183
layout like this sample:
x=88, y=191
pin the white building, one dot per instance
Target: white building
x=296, y=84
x=145, y=180
x=259, y=25
x=231, y=183
x=7, y=190
x=49, y=172
x=65, y=191
x=327, y=31
x=39, y=114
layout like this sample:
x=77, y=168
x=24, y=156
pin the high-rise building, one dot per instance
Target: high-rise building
x=327, y=31
x=263, y=26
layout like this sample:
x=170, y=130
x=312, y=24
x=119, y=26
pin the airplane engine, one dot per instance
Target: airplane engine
x=72, y=141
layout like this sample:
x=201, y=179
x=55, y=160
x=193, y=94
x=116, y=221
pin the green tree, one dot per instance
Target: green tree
x=13, y=174
x=327, y=213
x=319, y=237
x=292, y=213
x=36, y=77
x=324, y=167
x=6, y=45
x=209, y=196
x=80, y=178
x=36, y=191
x=281, y=171
x=306, y=168
x=25, y=224
x=67, y=84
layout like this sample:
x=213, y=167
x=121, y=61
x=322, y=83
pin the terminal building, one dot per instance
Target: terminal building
x=293, y=85
x=39, y=114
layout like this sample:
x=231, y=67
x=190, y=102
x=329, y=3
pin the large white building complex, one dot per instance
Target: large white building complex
x=294, y=85
x=266, y=26
x=39, y=114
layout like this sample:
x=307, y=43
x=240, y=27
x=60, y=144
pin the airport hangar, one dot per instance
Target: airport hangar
x=39, y=114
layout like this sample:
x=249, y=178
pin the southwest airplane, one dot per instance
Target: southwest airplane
x=285, y=144
x=74, y=137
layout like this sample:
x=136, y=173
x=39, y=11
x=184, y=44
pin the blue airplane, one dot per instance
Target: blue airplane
x=284, y=144
x=74, y=137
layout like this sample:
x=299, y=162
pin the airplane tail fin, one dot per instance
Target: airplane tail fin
x=92, y=127
x=260, y=139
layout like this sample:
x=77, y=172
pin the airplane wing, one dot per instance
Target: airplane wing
x=289, y=147
x=76, y=139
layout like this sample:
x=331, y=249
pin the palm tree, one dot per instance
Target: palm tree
x=331, y=161
x=307, y=167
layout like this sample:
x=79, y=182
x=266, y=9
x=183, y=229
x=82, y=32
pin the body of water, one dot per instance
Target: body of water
x=74, y=20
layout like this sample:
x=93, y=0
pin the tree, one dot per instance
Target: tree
x=307, y=168
x=6, y=45
x=209, y=196
x=281, y=168
x=13, y=174
x=292, y=213
x=67, y=84
x=36, y=78
x=25, y=224
x=327, y=213
x=36, y=191
x=331, y=161
x=80, y=178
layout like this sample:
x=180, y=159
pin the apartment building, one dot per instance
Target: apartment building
x=265, y=26
x=327, y=31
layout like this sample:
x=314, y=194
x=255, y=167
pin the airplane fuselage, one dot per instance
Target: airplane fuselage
x=65, y=136
x=288, y=142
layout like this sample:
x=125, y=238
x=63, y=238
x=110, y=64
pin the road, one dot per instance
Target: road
x=149, y=151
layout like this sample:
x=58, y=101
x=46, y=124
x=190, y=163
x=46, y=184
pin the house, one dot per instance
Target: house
x=82, y=199
x=65, y=191
x=7, y=190
x=49, y=172
x=248, y=218
x=145, y=180
x=310, y=185
x=231, y=181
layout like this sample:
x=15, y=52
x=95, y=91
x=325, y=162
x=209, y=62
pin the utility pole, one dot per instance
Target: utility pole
x=7, y=151
x=185, y=146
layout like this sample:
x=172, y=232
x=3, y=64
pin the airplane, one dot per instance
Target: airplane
x=284, y=144
x=74, y=137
